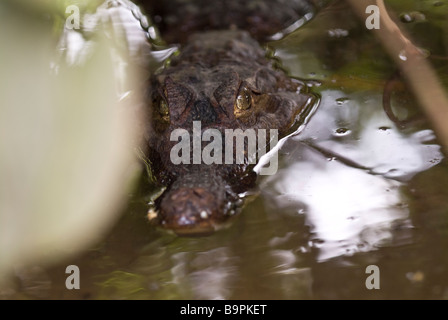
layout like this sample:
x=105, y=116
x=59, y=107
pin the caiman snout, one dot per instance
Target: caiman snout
x=194, y=210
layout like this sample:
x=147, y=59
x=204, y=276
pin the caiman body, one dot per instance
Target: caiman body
x=222, y=79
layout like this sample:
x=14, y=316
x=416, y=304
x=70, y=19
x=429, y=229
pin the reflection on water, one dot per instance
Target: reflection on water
x=211, y=274
x=353, y=204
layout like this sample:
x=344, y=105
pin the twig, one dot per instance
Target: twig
x=413, y=64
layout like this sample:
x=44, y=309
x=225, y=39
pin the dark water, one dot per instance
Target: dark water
x=353, y=190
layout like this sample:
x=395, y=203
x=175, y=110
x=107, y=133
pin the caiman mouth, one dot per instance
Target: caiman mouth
x=194, y=211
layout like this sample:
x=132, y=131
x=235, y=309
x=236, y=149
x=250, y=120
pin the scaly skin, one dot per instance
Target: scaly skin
x=207, y=82
x=261, y=18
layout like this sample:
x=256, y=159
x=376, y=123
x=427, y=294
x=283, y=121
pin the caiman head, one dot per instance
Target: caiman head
x=223, y=81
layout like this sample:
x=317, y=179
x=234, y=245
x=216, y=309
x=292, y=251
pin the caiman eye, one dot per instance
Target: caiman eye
x=161, y=111
x=164, y=110
x=162, y=107
x=243, y=100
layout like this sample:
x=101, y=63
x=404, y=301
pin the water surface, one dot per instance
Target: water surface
x=353, y=189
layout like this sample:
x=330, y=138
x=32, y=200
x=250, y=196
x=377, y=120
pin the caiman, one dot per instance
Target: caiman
x=223, y=79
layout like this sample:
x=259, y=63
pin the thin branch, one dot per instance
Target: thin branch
x=415, y=68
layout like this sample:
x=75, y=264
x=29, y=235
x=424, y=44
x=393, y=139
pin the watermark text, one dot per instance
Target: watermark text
x=73, y=280
x=250, y=145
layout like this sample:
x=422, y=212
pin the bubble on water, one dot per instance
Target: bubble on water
x=408, y=17
x=311, y=84
x=341, y=101
x=402, y=55
x=340, y=132
x=337, y=33
x=435, y=161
